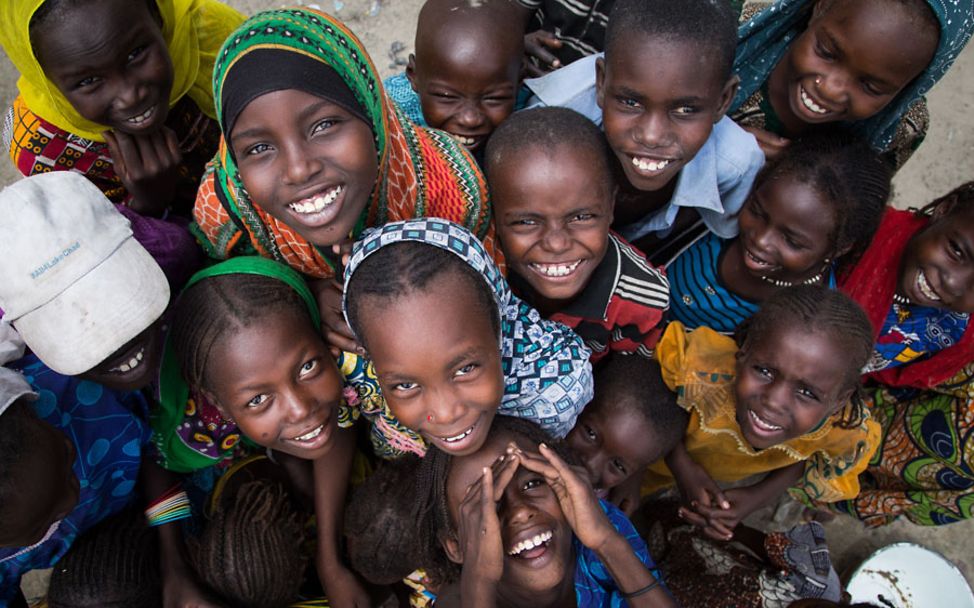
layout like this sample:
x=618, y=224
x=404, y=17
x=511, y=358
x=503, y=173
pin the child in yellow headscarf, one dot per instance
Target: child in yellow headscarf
x=118, y=90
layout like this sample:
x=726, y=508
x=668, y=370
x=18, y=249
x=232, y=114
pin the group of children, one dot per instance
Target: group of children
x=274, y=330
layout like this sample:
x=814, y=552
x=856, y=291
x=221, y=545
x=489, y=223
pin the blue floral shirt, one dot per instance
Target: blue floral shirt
x=911, y=333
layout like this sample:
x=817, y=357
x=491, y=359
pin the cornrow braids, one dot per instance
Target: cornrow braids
x=850, y=176
x=399, y=269
x=818, y=309
x=113, y=565
x=206, y=311
x=958, y=200
x=248, y=553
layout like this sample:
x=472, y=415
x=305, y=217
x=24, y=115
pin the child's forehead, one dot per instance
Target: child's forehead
x=690, y=57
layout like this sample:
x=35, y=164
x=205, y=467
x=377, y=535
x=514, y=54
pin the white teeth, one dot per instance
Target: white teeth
x=530, y=543
x=311, y=435
x=925, y=288
x=811, y=105
x=644, y=164
x=316, y=204
x=144, y=116
x=458, y=437
x=131, y=363
x=761, y=423
x=467, y=141
x=556, y=270
x=756, y=260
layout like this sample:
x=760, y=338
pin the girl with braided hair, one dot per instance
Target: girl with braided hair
x=783, y=399
x=916, y=283
x=810, y=215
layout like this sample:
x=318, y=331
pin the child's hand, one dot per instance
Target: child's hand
x=719, y=523
x=337, y=333
x=696, y=486
x=148, y=166
x=479, y=529
x=575, y=496
x=344, y=590
x=538, y=59
x=770, y=143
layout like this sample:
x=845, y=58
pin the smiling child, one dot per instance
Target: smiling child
x=784, y=400
x=451, y=345
x=813, y=211
x=465, y=74
x=678, y=159
x=314, y=151
x=553, y=191
x=116, y=90
x=868, y=63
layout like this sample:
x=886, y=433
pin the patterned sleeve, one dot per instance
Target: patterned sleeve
x=910, y=133
x=832, y=473
x=671, y=351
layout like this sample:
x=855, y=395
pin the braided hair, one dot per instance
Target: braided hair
x=400, y=269
x=817, y=309
x=208, y=310
x=113, y=565
x=848, y=174
x=249, y=552
x=958, y=200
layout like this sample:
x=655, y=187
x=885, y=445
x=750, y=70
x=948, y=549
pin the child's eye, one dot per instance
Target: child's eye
x=442, y=95
x=136, y=52
x=257, y=400
x=466, y=369
x=871, y=89
x=323, y=125
x=86, y=82
x=955, y=250
x=628, y=102
x=583, y=217
x=685, y=110
x=589, y=432
x=793, y=243
x=617, y=464
x=524, y=222
x=309, y=367
x=807, y=393
x=763, y=371
x=532, y=483
x=823, y=52
x=404, y=386
x=257, y=149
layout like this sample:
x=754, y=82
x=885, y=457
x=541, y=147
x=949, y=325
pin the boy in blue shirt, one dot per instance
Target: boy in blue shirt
x=661, y=93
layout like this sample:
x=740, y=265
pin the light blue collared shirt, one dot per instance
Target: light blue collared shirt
x=716, y=181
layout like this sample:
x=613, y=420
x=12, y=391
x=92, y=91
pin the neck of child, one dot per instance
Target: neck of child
x=562, y=596
x=736, y=278
x=633, y=204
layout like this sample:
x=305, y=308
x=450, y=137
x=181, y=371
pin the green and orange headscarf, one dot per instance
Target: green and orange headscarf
x=422, y=172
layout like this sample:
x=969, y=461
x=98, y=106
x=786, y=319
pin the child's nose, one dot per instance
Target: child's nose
x=470, y=116
x=446, y=408
x=834, y=86
x=653, y=130
x=299, y=166
x=556, y=241
x=514, y=505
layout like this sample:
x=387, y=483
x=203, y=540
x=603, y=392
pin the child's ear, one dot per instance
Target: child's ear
x=600, y=82
x=411, y=71
x=727, y=96
x=451, y=546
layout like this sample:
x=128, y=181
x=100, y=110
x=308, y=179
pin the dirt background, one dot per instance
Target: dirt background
x=945, y=160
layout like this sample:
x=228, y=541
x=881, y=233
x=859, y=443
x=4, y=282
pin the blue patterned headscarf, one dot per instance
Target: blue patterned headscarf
x=547, y=375
x=764, y=39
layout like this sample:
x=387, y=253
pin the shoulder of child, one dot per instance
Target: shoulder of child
x=738, y=154
x=681, y=353
x=638, y=280
x=572, y=86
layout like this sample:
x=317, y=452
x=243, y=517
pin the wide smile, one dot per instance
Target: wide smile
x=138, y=119
x=924, y=288
x=815, y=110
x=650, y=167
x=314, y=437
x=756, y=263
x=460, y=440
x=131, y=362
x=471, y=142
x=532, y=547
x=556, y=271
x=320, y=208
x=761, y=425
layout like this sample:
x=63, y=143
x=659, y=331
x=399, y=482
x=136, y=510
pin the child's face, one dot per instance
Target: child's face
x=466, y=89
x=786, y=229
x=528, y=509
x=789, y=381
x=306, y=161
x=614, y=446
x=109, y=59
x=852, y=60
x=552, y=213
x=133, y=366
x=438, y=363
x=277, y=381
x=47, y=489
x=938, y=268
x=657, y=113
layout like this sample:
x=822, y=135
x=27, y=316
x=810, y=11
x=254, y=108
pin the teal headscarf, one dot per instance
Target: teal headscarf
x=765, y=38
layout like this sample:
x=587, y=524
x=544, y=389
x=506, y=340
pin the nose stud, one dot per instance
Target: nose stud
x=429, y=418
x=818, y=80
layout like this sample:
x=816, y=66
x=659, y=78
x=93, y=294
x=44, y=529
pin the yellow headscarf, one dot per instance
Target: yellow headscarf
x=193, y=30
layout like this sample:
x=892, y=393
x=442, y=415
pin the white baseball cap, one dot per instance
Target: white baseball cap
x=74, y=282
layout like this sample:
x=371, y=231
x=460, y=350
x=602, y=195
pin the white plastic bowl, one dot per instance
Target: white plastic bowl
x=908, y=575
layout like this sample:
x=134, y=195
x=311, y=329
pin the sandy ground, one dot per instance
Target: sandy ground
x=943, y=162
